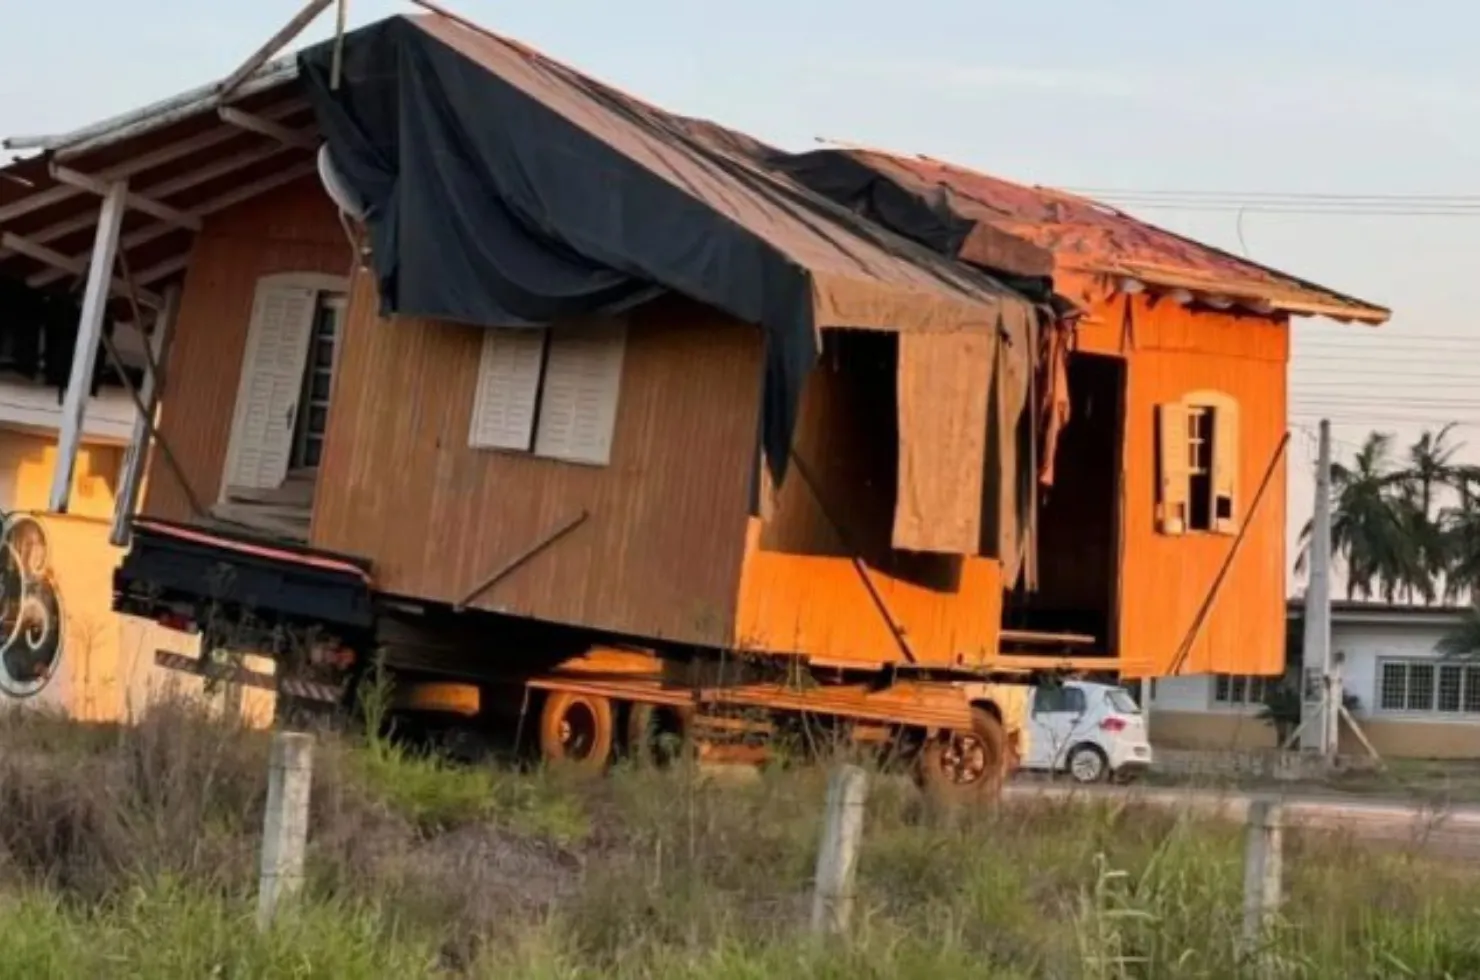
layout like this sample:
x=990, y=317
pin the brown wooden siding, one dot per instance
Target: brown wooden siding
x=1171, y=351
x=293, y=229
x=660, y=552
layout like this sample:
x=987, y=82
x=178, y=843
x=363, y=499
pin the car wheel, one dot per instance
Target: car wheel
x=1087, y=764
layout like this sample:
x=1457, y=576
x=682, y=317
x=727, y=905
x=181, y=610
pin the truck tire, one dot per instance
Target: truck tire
x=658, y=735
x=967, y=767
x=576, y=732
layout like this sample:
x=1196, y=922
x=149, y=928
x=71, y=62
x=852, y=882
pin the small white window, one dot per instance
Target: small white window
x=1241, y=690
x=553, y=391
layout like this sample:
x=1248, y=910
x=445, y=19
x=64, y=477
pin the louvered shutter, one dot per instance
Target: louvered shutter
x=508, y=388
x=1172, y=450
x=1226, y=457
x=272, y=379
x=578, y=407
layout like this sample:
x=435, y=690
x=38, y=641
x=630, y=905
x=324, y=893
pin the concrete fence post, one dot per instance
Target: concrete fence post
x=1263, y=847
x=837, y=860
x=285, y=824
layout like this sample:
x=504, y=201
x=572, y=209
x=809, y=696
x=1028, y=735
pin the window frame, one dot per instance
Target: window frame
x=1469, y=680
x=1255, y=687
x=322, y=284
x=1203, y=417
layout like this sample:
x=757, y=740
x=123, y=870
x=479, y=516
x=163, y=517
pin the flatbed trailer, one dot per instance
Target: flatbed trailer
x=570, y=696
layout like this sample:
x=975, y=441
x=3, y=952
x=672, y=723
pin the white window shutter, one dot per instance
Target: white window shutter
x=272, y=378
x=508, y=387
x=1172, y=495
x=578, y=408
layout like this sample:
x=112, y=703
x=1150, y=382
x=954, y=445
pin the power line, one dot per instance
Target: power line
x=1280, y=195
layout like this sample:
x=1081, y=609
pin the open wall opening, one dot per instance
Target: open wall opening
x=838, y=499
x=1078, y=518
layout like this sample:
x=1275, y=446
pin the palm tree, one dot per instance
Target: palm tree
x=1370, y=529
x=1431, y=466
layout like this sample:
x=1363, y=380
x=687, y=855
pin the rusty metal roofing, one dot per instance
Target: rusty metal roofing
x=1088, y=237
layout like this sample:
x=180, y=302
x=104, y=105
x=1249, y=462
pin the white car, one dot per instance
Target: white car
x=1094, y=732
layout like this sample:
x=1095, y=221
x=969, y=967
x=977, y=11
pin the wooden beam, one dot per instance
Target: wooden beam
x=68, y=265
x=185, y=181
x=267, y=127
x=89, y=333
x=127, y=501
x=231, y=198
x=138, y=202
x=274, y=44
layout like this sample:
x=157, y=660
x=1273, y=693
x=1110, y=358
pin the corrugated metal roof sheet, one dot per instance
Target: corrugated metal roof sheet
x=1088, y=237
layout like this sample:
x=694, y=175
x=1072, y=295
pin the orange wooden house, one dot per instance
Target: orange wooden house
x=1162, y=514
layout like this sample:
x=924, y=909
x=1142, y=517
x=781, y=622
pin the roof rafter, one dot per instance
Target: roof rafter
x=147, y=161
x=267, y=127
x=149, y=233
x=138, y=202
x=185, y=181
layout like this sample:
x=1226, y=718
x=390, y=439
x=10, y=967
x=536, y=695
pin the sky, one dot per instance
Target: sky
x=1305, y=97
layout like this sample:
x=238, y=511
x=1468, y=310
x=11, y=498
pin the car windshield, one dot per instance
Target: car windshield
x=1121, y=701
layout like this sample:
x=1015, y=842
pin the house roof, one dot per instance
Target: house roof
x=1345, y=611
x=1085, y=236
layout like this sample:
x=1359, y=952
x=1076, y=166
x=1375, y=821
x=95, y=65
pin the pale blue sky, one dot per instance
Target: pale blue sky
x=1352, y=97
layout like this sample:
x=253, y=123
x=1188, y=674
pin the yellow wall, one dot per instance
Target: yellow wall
x=105, y=670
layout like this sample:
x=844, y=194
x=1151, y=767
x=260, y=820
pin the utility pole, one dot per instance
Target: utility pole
x=1318, y=604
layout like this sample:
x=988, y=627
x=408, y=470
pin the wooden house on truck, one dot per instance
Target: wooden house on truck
x=580, y=411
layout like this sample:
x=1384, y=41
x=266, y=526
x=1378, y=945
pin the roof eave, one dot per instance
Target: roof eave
x=156, y=115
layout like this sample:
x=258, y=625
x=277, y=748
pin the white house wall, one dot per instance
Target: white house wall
x=1399, y=734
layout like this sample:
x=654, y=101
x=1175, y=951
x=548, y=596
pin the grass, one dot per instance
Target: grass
x=131, y=853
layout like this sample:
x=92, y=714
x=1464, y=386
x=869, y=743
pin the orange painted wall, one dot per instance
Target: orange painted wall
x=293, y=229
x=800, y=592
x=1171, y=351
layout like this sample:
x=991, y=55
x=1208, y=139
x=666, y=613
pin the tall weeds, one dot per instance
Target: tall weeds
x=131, y=852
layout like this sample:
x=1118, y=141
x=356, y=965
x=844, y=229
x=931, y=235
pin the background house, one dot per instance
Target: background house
x=1410, y=701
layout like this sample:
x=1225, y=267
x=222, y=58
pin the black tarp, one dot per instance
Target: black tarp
x=487, y=207
x=503, y=189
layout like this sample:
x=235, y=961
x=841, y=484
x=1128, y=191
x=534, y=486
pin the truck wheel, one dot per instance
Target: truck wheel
x=658, y=735
x=576, y=731
x=965, y=766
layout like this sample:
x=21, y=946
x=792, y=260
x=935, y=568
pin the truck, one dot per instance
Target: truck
x=620, y=430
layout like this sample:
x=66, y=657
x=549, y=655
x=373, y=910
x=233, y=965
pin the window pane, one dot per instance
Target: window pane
x=1391, y=689
x=1420, y=687
x=1472, y=690
x=1238, y=692
x=313, y=450
x=1048, y=700
x=1450, y=677
x=1220, y=689
x=319, y=388
x=1074, y=700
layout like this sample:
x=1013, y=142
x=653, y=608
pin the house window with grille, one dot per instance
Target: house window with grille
x=318, y=375
x=1240, y=690
x=1428, y=687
